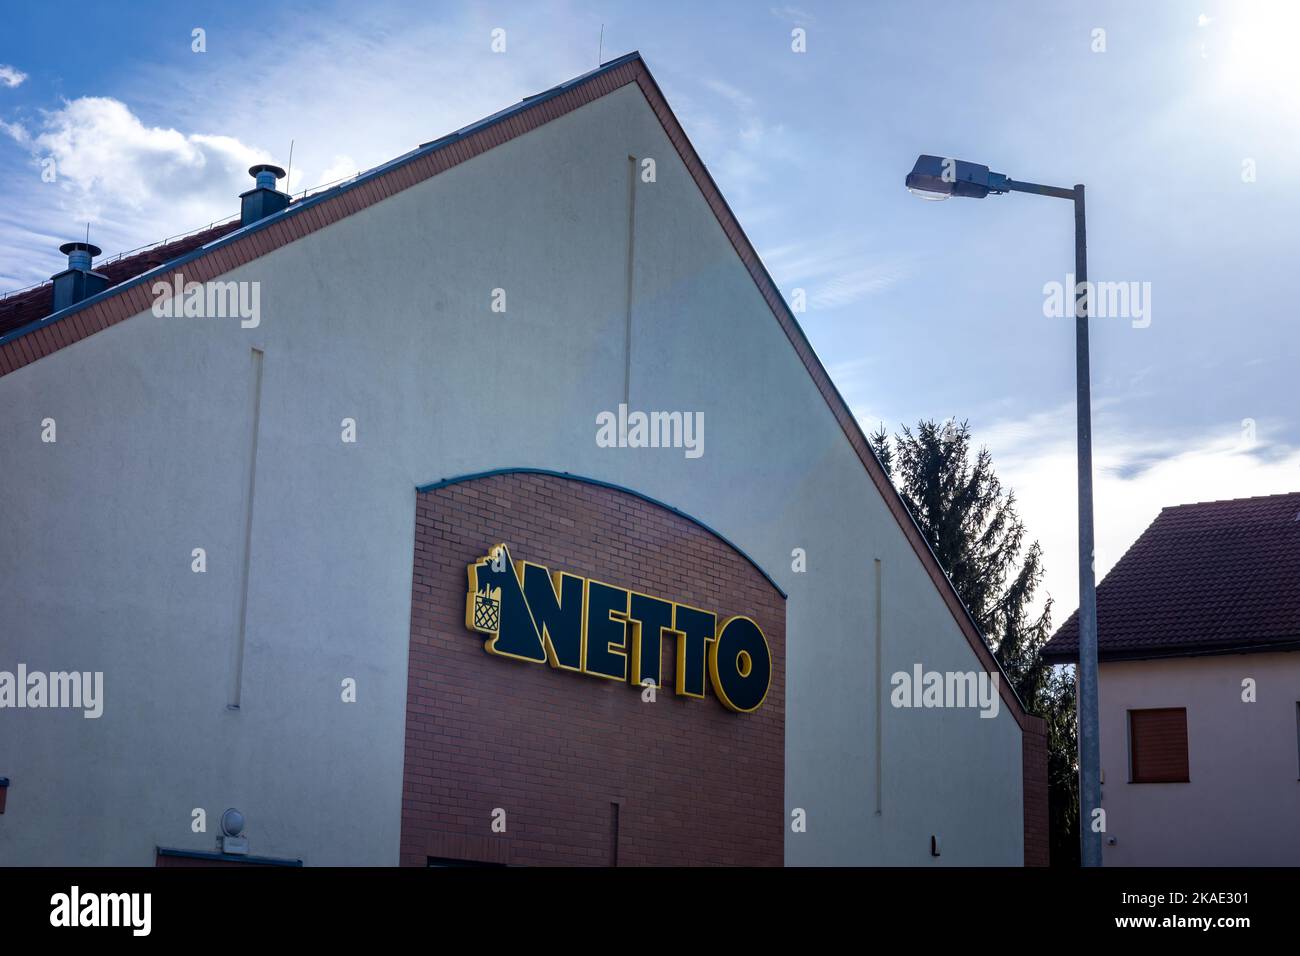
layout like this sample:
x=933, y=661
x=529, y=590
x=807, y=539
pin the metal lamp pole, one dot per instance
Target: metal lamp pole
x=939, y=178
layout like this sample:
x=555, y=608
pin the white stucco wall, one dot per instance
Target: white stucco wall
x=1241, y=804
x=384, y=317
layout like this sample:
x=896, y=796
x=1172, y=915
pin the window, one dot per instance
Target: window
x=1157, y=745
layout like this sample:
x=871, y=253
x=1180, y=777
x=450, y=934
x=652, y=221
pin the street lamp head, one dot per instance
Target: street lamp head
x=936, y=177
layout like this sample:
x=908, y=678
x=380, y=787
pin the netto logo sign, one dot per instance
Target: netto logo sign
x=584, y=625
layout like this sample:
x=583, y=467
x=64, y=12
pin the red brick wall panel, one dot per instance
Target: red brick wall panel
x=694, y=783
x=1034, y=749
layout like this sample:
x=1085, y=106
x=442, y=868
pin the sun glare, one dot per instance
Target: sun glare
x=1259, y=49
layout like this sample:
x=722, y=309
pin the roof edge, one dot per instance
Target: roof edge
x=1168, y=653
x=293, y=208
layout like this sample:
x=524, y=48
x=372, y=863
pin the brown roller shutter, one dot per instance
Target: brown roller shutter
x=1158, y=745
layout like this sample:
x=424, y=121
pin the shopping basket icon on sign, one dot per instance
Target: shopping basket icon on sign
x=487, y=609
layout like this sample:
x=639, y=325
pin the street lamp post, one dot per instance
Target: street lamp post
x=934, y=177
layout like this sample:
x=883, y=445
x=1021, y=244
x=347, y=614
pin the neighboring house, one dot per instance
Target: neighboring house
x=439, y=340
x=1199, y=687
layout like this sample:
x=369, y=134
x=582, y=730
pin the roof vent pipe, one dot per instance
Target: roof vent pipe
x=78, y=281
x=263, y=199
x=80, y=255
x=266, y=175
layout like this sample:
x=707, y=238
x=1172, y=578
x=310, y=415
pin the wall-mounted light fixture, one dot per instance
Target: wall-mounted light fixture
x=232, y=826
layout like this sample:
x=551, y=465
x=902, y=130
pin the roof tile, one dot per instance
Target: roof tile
x=34, y=304
x=1213, y=577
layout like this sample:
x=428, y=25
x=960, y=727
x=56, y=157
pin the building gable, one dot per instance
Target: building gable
x=131, y=297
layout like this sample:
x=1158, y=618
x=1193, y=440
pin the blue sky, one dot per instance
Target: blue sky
x=918, y=309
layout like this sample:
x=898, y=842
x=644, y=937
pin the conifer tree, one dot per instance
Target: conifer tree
x=971, y=523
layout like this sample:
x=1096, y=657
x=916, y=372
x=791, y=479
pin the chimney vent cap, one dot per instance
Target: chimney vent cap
x=265, y=175
x=68, y=248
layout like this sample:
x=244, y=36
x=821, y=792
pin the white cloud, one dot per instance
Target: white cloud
x=135, y=184
x=796, y=14
x=109, y=163
x=11, y=77
x=354, y=90
x=16, y=131
x=834, y=272
x=732, y=94
x=745, y=151
x=856, y=283
x=1134, y=477
x=343, y=167
x=358, y=87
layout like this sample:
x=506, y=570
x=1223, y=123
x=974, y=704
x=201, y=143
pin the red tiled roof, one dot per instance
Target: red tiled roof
x=18, y=310
x=1215, y=577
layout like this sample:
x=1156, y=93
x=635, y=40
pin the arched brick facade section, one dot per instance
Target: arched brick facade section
x=586, y=771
